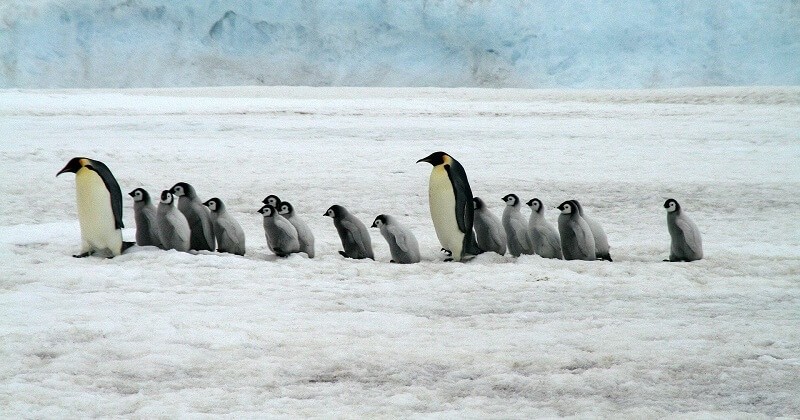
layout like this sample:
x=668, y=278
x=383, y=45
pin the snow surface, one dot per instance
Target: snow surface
x=491, y=43
x=162, y=333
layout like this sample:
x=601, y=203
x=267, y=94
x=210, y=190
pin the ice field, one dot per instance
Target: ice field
x=160, y=333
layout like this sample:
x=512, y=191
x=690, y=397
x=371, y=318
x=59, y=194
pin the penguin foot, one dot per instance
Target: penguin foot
x=83, y=255
x=344, y=254
x=447, y=252
x=126, y=245
x=393, y=261
x=448, y=259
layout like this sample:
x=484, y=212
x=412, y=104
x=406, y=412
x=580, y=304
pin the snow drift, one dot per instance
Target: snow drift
x=628, y=44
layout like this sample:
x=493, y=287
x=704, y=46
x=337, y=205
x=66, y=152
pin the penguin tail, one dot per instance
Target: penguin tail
x=126, y=245
x=471, y=246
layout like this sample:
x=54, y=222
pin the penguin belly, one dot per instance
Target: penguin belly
x=442, y=201
x=95, y=215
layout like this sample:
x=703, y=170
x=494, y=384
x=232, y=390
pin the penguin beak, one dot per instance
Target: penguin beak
x=130, y=193
x=374, y=225
x=74, y=165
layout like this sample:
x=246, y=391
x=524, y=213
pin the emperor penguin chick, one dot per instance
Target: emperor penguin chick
x=304, y=234
x=402, y=244
x=577, y=241
x=197, y=215
x=354, y=235
x=99, y=201
x=281, y=235
x=516, y=227
x=173, y=228
x=145, y=216
x=600, y=239
x=686, y=244
x=227, y=231
x=544, y=237
x=489, y=231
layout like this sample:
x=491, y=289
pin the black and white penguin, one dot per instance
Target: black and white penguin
x=450, y=200
x=198, y=216
x=577, y=242
x=227, y=231
x=402, y=243
x=144, y=213
x=686, y=243
x=99, y=201
x=352, y=232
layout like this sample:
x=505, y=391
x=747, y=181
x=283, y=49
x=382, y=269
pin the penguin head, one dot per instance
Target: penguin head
x=140, y=195
x=267, y=211
x=183, y=189
x=381, y=220
x=535, y=204
x=75, y=164
x=167, y=197
x=671, y=205
x=477, y=203
x=577, y=205
x=511, y=200
x=214, y=204
x=272, y=200
x=566, y=207
x=437, y=158
x=335, y=211
x=285, y=208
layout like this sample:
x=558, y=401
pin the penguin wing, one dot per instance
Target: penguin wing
x=113, y=190
x=179, y=226
x=287, y=228
x=400, y=237
x=583, y=237
x=150, y=225
x=463, y=193
x=520, y=231
x=351, y=229
x=690, y=233
x=551, y=238
x=227, y=230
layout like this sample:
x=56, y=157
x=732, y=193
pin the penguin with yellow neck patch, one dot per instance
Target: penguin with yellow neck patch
x=99, y=201
x=450, y=199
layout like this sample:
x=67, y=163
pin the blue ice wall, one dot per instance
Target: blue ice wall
x=491, y=43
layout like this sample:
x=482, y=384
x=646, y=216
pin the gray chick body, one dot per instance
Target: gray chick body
x=516, y=228
x=403, y=244
x=173, y=228
x=304, y=233
x=281, y=235
x=544, y=236
x=686, y=243
x=144, y=213
x=489, y=231
x=577, y=242
x=198, y=217
x=602, y=250
x=353, y=234
x=227, y=231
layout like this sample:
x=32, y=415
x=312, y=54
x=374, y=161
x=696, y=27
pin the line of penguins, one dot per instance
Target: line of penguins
x=464, y=225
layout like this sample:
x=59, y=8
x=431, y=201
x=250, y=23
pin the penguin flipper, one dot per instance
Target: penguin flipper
x=126, y=245
x=690, y=234
x=463, y=195
x=354, y=239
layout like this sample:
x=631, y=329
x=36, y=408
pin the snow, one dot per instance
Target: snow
x=449, y=43
x=162, y=333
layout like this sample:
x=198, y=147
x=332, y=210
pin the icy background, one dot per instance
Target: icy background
x=598, y=44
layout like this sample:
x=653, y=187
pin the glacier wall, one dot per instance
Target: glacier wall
x=491, y=43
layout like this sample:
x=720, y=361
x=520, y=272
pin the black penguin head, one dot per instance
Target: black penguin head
x=140, y=195
x=511, y=200
x=272, y=200
x=336, y=211
x=75, y=164
x=671, y=205
x=267, y=211
x=285, y=208
x=214, y=204
x=381, y=220
x=183, y=189
x=436, y=158
x=477, y=203
x=577, y=205
x=567, y=207
x=535, y=204
x=167, y=197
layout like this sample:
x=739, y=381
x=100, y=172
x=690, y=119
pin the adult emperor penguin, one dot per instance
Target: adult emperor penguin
x=198, y=216
x=173, y=228
x=145, y=216
x=577, y=241
x=304, y=233
x=402, y=243
x=516, y=227
x=450, y=200
x=99, y=201
x=601, y=247
x=281, y=235
x=686, y=243
x=544, y=237
x=227, y=231
x=354, y=235
x=489, y=231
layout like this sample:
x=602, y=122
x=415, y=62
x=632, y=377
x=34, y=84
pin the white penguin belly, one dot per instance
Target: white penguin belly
x=95, y=214
x=442, y=200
